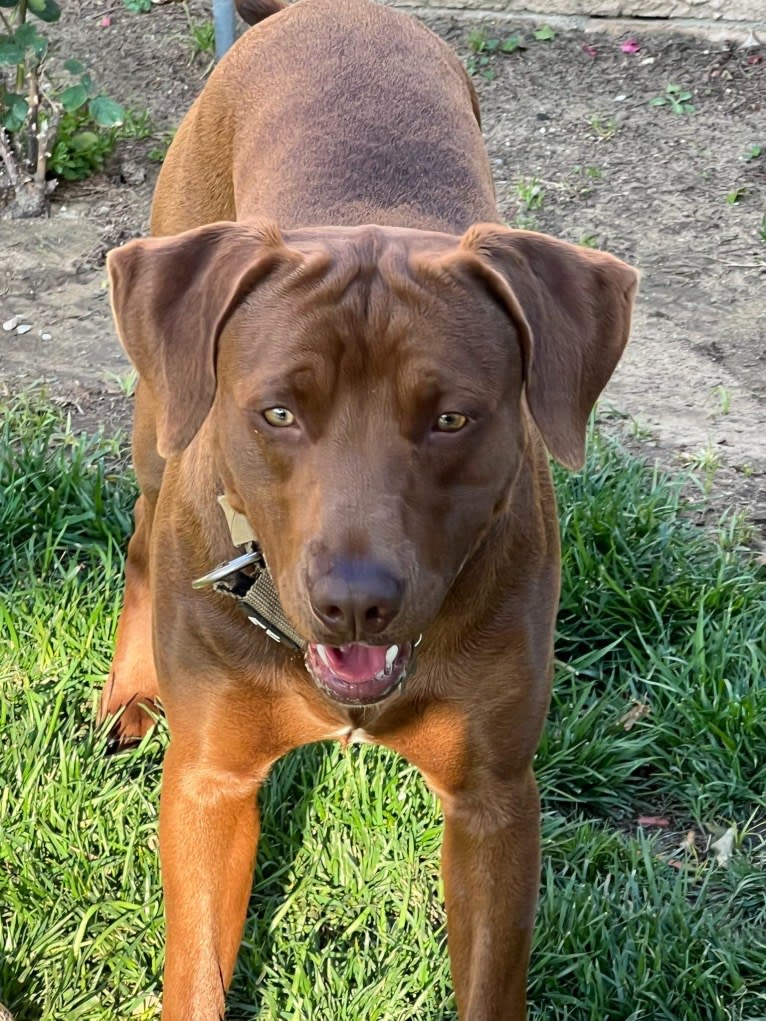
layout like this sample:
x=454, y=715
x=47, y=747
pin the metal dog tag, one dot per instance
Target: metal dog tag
x=224, y=570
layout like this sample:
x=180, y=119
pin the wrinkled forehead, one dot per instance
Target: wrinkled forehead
x=372, y=305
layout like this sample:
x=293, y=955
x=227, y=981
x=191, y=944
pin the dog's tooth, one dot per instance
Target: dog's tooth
x=322, y=653
x=391, y=653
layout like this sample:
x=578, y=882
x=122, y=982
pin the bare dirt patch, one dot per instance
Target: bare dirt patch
x=577, y=151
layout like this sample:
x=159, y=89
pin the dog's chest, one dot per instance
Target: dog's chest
x=351, y=735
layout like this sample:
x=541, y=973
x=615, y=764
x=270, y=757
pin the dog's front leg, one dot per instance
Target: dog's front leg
x=132, y=682
x=491, y=848
x=209, y=827
x=490, y=864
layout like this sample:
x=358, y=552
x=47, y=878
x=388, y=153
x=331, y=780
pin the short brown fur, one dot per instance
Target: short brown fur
x=326, y=239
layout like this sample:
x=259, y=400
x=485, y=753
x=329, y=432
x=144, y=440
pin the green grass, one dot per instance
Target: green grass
x=346, y=919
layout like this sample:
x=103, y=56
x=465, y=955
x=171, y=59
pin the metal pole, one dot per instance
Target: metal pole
x=223, y=20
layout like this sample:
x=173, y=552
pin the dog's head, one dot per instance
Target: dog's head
x=367, y=391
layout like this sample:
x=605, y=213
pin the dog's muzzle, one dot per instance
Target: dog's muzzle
x=357, y=674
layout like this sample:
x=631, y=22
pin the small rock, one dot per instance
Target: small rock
x=23, y=328
x=132, y=172
x=11, y=324
x=46, y=336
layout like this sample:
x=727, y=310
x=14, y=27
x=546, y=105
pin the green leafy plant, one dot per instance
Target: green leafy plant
x=125, y=382
x=477, y=40
x=510, y=44
x=676, y=98
x=594, y=173
x=724, y=398
x=753, y=152
x=160, y=151
x=733, y=196
x=706, y=463
x=201, y=35
x=137, y=124
x=138, y=6
x=47, y=120
x=531, y=193
x=483, y=50
x=544, y=34
x=603, y=128
x=78, y=151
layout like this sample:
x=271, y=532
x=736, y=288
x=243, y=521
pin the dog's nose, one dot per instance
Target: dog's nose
x=356, y=598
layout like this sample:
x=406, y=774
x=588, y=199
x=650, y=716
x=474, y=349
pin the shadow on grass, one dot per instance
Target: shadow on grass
x=285, y=803
x=324, y=879
x=15, y=995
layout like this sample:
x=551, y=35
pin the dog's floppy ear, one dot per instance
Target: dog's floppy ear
x=171, y=297
x=571, y=306
x=253, y=11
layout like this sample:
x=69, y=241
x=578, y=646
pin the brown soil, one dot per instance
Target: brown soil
x=574, y=114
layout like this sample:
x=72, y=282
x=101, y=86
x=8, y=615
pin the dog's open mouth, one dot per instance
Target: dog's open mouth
x=359, y=674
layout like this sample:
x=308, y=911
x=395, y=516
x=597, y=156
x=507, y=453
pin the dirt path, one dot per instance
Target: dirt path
x=578, y=151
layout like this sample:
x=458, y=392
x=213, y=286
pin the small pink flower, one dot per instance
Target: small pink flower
x=630, y=46
x=590, y=50
x=106, y=21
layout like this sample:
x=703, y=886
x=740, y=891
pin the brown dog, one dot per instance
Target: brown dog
x=369, y=366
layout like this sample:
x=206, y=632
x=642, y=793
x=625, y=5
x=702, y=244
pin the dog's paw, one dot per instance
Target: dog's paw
x=133, y=717
x=133, y=724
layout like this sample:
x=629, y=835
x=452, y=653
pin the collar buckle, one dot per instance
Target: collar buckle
x=228, y=568
x=247, y=579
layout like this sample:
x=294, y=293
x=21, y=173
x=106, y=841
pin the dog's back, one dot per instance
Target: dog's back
x=334, y=72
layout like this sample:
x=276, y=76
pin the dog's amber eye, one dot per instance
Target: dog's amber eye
x=279, y=417
x=450, y=422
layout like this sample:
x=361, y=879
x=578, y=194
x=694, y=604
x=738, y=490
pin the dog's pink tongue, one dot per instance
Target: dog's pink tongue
x=356, y=663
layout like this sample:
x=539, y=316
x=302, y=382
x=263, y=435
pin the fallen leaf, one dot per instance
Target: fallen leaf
x=106, y=21
x=653, y=820
x=630, y=46
x=636, y=712
x=724, y=847
x=752, y=42
x=590, y=50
